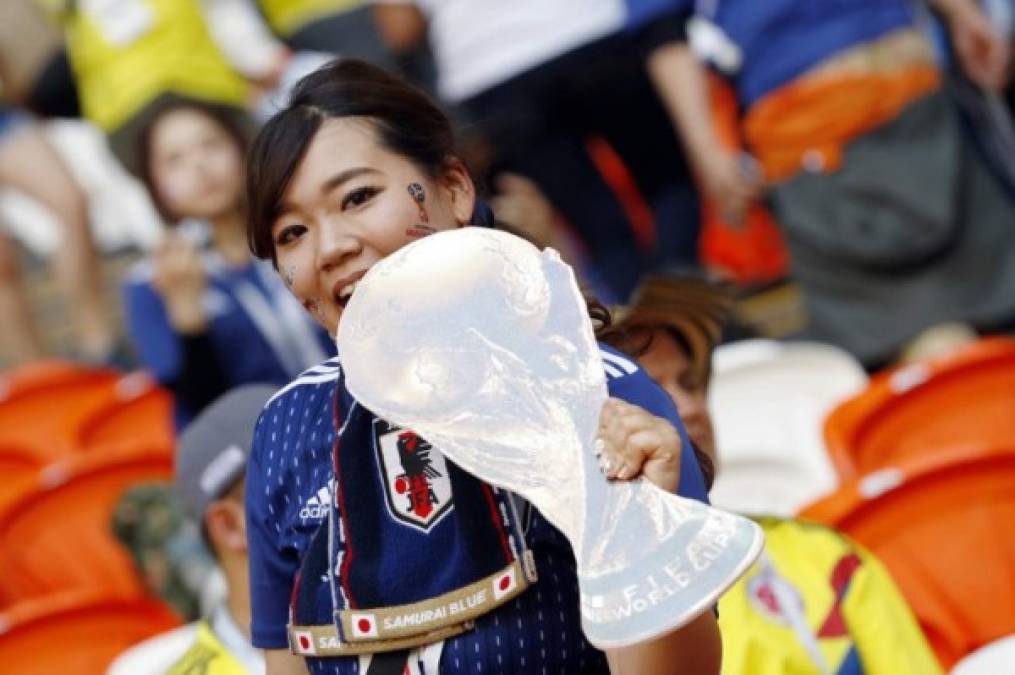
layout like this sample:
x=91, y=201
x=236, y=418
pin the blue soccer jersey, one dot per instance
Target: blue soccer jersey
x=396, y=548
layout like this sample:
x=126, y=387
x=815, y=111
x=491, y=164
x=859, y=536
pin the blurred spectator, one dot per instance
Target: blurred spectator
x=166, y=550
x=34, y=70
x=201, y=313
x=211, y=464
x=893, y=223
x=127, y=56
x=540, y=79
x=343, y=27
x=30, y=165
x=815, y=602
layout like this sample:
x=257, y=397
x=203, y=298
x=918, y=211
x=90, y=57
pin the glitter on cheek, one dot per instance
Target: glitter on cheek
x=289, y=276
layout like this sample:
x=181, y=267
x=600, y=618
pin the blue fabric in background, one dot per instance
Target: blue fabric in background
x=781, y=39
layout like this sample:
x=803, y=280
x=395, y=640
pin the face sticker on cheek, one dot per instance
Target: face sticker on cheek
x=289, y=276
x=422, y=228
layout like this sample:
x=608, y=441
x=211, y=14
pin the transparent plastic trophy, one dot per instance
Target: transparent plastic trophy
x=480, y=342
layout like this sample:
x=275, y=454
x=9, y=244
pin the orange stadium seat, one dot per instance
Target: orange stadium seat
x=963, y=399
x=43, y=406
x=57, y=409
x=940, y=524
x=58, y=535
x=75, y=633
x=138, y=413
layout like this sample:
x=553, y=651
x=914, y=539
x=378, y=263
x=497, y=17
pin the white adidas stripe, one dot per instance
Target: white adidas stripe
x=624, y=364
x=611, y=371
x=315, y=379
x=328, y=366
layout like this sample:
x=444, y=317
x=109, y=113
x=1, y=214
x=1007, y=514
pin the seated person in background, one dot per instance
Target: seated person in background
x=202, y=314
x=892, y=220
x=30, y=165
x=815, y=601
x=211, y=463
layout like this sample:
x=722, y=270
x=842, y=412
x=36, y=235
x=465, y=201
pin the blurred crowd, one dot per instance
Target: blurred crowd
x=687, y=158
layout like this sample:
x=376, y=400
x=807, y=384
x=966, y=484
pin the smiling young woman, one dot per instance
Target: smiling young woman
x=358, y=165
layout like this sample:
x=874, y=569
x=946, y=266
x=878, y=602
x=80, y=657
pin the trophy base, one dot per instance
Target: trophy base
x=669, y=587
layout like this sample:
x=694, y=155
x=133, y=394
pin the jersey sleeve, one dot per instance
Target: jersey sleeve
x=626, y=380
x=272, y=565
x=150, y=334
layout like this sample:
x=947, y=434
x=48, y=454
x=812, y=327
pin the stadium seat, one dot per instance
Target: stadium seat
x=988, y=660
x=940, y=523
x=964, y=398
x=768, y=401
x=58, y=535
x=43, y=406
x=138, y=412
x=76, y=632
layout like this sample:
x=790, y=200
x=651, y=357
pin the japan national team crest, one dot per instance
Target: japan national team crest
x=415, y=476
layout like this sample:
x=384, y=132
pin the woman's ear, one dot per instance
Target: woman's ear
x=460, y=189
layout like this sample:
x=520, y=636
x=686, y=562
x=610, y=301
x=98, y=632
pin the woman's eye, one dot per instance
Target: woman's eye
x=358, y=197
x=289, y=233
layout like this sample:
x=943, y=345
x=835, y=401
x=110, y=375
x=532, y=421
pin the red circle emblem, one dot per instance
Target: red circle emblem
x=304, y=642
x=504, y=583
x=364, y=625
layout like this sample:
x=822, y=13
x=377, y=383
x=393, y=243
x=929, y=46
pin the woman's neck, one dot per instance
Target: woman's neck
x=229, y=237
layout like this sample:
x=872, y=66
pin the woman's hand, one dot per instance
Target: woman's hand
x=180, y=279
x=637, y=443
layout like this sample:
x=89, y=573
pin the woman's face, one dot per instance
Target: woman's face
x=351, y=203
x=196, y=166
x=667, y=364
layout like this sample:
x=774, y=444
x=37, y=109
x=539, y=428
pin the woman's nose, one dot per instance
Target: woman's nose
x=335, y=244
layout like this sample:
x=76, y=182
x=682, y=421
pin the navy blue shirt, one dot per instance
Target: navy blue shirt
x=257, y=331
x=291, y=486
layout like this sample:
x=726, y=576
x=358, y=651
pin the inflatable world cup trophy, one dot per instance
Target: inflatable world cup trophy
x=482, y=344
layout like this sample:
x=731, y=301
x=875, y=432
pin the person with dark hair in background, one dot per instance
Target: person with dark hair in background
x=541, y=79
x=202, y=315
x=357, y=166
x=815, y=601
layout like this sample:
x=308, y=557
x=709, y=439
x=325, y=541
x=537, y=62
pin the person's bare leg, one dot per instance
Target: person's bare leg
x=20, y=342
x=29, y=164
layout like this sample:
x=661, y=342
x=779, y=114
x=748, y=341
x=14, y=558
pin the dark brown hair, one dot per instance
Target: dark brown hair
x=233, y=122
x=405, y=120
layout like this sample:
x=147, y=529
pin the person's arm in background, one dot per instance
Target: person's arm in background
x=983, y=53
x=168, y=326
x=245, y=39
x=680, y=80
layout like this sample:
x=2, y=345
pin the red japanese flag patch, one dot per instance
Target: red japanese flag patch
x=363, y=625
x=304, y=642
x=504, y=583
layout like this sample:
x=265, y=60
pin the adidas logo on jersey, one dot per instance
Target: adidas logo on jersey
x=316, y=507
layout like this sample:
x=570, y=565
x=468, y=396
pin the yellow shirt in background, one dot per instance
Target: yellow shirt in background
x=125, y=53
x=818, y=603
x=288, y=16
